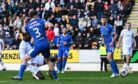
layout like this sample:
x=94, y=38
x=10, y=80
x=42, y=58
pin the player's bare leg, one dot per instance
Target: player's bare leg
x=51, y=69
x=126, y=65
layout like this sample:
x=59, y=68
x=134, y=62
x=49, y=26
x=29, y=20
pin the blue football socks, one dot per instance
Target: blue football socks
x=64, y=64
x=54, y=74
x=21, y=71
x=59, y=65
x=114, y=67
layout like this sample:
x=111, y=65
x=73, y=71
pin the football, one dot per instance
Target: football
x=123, y=72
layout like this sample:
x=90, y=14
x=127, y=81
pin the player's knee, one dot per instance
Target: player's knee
x=25, y=59
x=59, y=59
x=64, y=58
x=109, y=58
x=40, y=75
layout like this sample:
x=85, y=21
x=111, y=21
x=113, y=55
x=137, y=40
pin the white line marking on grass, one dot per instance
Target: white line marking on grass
x=3, y=81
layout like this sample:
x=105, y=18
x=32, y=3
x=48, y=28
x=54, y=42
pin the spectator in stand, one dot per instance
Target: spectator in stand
x=82, y=4
x=7, y=37
x=92, y=12
x=56, y=29
x=119, y=5
x=72, y=11
x=111, y=20
x=73, y=21
x=52, y=19
x=77, y=4
x=79, y=14
x=76, y=31
x=62, y=3
x=16, y=42
x=50, y=6
x=106, y=5
x=78, y=41
x=17, y=23
x=1, y=32
x=106, y=12
x=99, y=8
x=70, y=3
x=38, y=9
x=95, y=22
x=71, y=31
x=87, y=41
x=57, y=33
x=113, y=9
x=122, y=12
x=118, y=25
x=89, y=4
x=50, y=35
x=63, y=20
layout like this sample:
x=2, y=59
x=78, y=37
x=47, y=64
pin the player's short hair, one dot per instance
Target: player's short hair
x=64, y=27
x=32, y=14
x=103, y=17
x=128, y=23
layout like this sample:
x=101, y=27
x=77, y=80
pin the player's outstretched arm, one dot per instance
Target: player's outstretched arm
x=26, y=20
x=114, y=38
x=103, y=40
x=48, y=24
x=134, y=43
x=119, y=41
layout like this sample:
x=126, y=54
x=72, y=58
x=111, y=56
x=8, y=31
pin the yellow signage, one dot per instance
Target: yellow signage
x=12, y=56
x=73, y=55
x=117, y=54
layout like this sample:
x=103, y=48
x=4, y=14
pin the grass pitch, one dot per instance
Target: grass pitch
x=71, y=78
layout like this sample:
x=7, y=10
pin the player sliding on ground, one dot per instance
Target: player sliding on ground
x=127, y=38
x=109, y=36
x=36, y=28
x=64, y=43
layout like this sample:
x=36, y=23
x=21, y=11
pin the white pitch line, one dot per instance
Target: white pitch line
x=3, y=81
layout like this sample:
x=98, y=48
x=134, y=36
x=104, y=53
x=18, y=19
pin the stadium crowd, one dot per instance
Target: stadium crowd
x=81, y=17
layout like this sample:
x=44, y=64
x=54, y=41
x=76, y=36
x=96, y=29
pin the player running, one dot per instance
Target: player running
x=64, y=43
x=127, y=38
x=109, y=36
x=36, y=28
x=1, y=49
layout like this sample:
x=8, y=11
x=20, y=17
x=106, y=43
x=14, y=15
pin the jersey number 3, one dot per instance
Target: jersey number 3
x=37, y=33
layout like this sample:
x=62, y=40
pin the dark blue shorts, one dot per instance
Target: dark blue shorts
x=62, y=53
x=35, y=51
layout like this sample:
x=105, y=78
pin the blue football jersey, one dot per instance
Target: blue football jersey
x=68, y=39
x=36, y=28
x=107, y=33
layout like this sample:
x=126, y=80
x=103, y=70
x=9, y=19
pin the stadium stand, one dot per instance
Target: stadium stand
x=81, y=17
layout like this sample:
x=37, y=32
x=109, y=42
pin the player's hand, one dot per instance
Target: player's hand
x=117, y=46
x=134, y=45
x=48, y=24
x=26, y=20
x=57, y=45
x=79, y=45
x=111, y=44
x=65, y=43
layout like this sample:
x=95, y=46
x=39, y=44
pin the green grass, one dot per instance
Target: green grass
x=71, y=78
